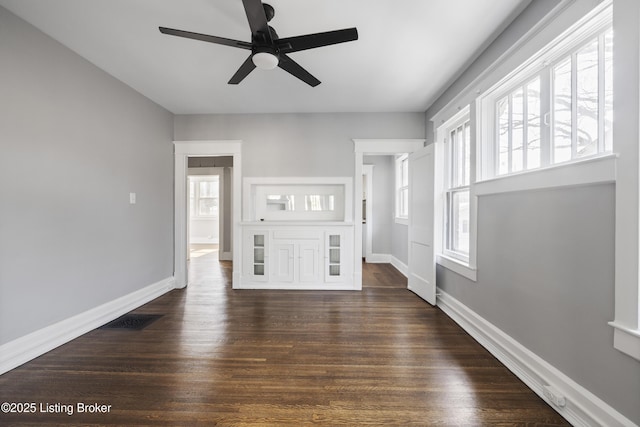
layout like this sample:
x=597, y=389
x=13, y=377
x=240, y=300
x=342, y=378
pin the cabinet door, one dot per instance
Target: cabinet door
x=308, y=262
x=282, y=262
x=334, y=268
x=259, y=256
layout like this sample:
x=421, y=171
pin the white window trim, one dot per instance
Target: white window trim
x=467, y=268
x=458, y=266
x=626, y=323
x=404, y=220
x=595, y=22
x=591, y=170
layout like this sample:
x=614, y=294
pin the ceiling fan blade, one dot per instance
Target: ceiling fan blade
x=293, y=68
x=310, y=41
x=257, y=20
x=244, y=70
x=206, y=38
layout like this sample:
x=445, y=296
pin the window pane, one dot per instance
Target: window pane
x=319, y=202
x=502, y=108
x=209, y=188
x=467, y=154
x=453, y=163
x=208, y=206
x=405, y=172
x=459, y=158
x=459, y=221
x=533, y=124
x=608, y=91
x=404, y=202
x=517, y=133
x=587, y=100
x=281, y=202
x=561, y=133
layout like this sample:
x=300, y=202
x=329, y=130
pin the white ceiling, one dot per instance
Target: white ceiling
x=407, y=51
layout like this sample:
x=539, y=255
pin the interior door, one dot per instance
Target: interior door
x=422, y=262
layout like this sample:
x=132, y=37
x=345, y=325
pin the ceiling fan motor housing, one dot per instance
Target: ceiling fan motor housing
x=269, y=11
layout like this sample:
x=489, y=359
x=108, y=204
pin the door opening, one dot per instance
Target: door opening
x=207, y=158
x=206, y=213
x=364, y=147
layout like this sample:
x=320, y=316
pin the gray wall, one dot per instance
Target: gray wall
x=298, y=144
x=75, y=142
x=546, y=258
x=382, y=202
x=400, y=242
x=388, y=237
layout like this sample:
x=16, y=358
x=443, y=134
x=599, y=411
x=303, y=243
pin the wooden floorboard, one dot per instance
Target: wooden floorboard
x=223, y=357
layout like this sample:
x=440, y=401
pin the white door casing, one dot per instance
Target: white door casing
x=182, y=151
x=364, y=147
x=422, y=261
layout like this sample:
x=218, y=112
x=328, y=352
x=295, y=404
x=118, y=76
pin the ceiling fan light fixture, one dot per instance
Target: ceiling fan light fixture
x=265, y=60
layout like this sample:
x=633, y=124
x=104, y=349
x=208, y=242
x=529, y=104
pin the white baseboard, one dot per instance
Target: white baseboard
x=582, y=408
x=400, y=266
x=378, y=258
x=28, y=347
x=226, y=256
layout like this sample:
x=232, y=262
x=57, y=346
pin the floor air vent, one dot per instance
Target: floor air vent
x=135, y=322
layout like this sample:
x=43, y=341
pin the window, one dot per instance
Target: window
x=402, y=187
x=203, y=196
x=518, y=131
x=455, y=204
x=457, y=182
x=556, y=109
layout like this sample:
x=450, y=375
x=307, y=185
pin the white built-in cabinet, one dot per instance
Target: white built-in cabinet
x=297, y=233
x=297, y=256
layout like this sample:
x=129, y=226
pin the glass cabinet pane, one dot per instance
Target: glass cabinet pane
x=334, y=240
x=258, y=255
x=258, y=269
x=258, y=240
x=334, y=270
x=334, y=256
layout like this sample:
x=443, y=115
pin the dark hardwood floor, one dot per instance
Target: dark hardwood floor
x=221, y=357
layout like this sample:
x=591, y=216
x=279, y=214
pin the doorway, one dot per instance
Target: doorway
x=190, y=154
x=206, y=213
x=363, y=147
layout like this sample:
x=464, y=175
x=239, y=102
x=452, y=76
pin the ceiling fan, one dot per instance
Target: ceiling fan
x=267, y=49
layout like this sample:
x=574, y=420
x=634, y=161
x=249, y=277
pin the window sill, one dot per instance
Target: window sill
x=458, y=266
x=626, y=340
x=403, y=221
x=594, y=170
